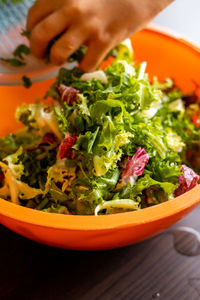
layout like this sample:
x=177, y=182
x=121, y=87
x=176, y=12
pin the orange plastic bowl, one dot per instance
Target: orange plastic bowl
x=167, y=56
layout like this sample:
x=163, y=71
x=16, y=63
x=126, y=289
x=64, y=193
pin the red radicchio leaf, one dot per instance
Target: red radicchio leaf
x=48, y=138
x=1, y=177
x=187, y=181
x=65, y=149
x=68, y=94
x=135, y=165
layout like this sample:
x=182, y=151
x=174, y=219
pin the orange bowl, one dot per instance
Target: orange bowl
x=167, y=56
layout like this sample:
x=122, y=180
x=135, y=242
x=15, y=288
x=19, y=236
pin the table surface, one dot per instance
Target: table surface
x=183, y=17
x=152, y=269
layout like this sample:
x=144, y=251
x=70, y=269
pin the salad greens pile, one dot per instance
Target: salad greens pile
x=108, y=141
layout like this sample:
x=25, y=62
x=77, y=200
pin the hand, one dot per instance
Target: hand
x=99, y=24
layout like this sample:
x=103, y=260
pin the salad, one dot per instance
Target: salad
x=104, y=142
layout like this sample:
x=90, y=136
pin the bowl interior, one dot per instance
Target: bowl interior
x=167, y=56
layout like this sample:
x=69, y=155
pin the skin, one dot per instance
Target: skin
x=99, y=24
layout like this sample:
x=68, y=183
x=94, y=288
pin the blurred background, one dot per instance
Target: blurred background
x=183, y=17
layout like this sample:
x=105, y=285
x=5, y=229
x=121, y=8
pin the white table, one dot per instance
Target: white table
x=182, y=16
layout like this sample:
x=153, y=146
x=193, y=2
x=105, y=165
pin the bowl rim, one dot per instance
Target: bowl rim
x=105, y=222
x=102, y=222
x=173, y=35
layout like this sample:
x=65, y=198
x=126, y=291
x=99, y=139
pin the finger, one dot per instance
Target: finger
x=95, y=55
x=67, y=45
x=38, y=11
x=46, y=30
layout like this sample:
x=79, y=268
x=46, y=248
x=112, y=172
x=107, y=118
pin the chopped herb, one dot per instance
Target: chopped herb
x=26, y=33
x=26, y=82
x=13, y=1
x=78, y=54
x=17, y=60
x=13, y=62
x=20, y=50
